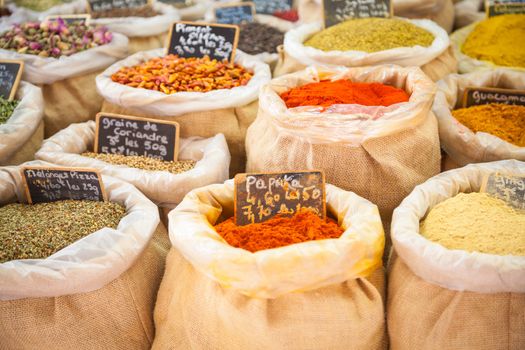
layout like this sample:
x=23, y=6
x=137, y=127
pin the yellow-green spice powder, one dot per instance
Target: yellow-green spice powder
x=370, y=35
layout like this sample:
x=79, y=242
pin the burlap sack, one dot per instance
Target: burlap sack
x=380, y=153
x=436, y=61
x=468, y=12
x=451, y=299
x=97, y=293
x=23, y=133
x=163, y=188
x=461, y=144
x=467, y=64
x=229, y=112
x=314, y=295
x=439, y=11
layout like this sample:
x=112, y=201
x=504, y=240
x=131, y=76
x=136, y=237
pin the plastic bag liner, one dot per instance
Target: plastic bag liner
x=91, y=262
x=273, y=272
x=164, y=188
x=468, y=12
x=461, y=144
x=161, y=104
x=195, y=11
x=47, y=70
x=22, y=134
x=466, y=63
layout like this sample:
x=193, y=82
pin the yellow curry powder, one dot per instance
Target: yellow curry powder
x=504, y=121
x=476, y=222
x=499, y=39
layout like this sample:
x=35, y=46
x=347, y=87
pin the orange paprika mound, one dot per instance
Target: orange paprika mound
x=326, y=93
x=278, y=231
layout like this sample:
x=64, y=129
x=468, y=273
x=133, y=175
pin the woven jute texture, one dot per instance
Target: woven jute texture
x=27, y=151
x=139, y=43
x=117, y=316
x=232, y=122
x=425, y=316
x=195, y=312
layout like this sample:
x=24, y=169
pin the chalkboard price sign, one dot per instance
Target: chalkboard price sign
x=507, y=187
x=475, y=96
x=10, y=74
x=70, y=19
x=259, y=197
x=106, y=5
x=189, y=39
x=53, y=184
x=235, y=13
x=504, y=7
x=268, y=7
x=337, y=11
x=133, y=136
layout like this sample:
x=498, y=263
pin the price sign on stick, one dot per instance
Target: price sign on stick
x=508, y=187
x=268, y=7
x=475, y=96
x=189, y=39
x=70, y=19
x=53, y=184
x=10, y=75
x=337, y=11
x=504, y=7
x=106, y=5
x=259, y=197
x=134, y=136
x=235, y=13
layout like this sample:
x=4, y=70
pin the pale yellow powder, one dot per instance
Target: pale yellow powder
x=476, y=222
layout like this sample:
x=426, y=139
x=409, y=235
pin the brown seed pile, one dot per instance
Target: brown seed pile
x=144, y=163
x=40, y=230
x=143, y=11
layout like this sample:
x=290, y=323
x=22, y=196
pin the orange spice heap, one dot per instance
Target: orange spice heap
x=327, y=93
x=278, y=231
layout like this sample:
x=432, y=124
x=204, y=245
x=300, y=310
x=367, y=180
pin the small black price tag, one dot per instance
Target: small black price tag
x=134, y=136
x=70, y=19
x=507, y=187
x=10, y=75
x=504, y=7
x=475, y=96
x=235, y=13
x=190, y=39
x=259, y=197
x=337, y=11
x=269, y=7
x=106, y=5
x=53, y=184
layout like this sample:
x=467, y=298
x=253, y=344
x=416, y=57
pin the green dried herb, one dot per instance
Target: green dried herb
x=6, y=109
x=144, y=163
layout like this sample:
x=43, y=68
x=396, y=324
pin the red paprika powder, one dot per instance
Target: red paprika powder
x=278, y=231
x=326, y=93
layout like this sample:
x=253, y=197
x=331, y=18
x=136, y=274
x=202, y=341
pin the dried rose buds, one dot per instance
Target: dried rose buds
x=171, y=74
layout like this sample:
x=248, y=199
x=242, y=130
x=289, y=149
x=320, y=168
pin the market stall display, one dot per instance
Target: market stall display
x=436, y=289
x=110, y=277
x=39, y=5
x=331, y=289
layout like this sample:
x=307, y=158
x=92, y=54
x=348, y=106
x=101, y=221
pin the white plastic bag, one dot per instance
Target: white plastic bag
x=164, y=188
x=21, y=129
x=91, y=262
x=468, y=12
x=461, y=144
x=161, y=104
x=195, y=11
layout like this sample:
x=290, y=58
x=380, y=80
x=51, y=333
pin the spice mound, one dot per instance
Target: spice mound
x=476, y=222
x=6, y=109
x=53, y=38
x=144, y=163
x=327, y=93
x=39, y=5
x=172, y=74
x=40, y=230
x=288, y=15
x=504, y=121
x=258, y=37
x=499, y=40
x=370, y=35
x=142, y=11
x=278, y=231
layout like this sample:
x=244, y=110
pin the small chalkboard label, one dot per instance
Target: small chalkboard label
x=189, y=39
x=259, y=197
x=475, y=96
x=504, y=7
x=106, y=5
x=70, y=19
x=173, y=2
x=235, y=13
x=53, y=184
x=10, y=75
x=269, y=7
x=337, y=11
x=507, y=187
x=134, y=136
